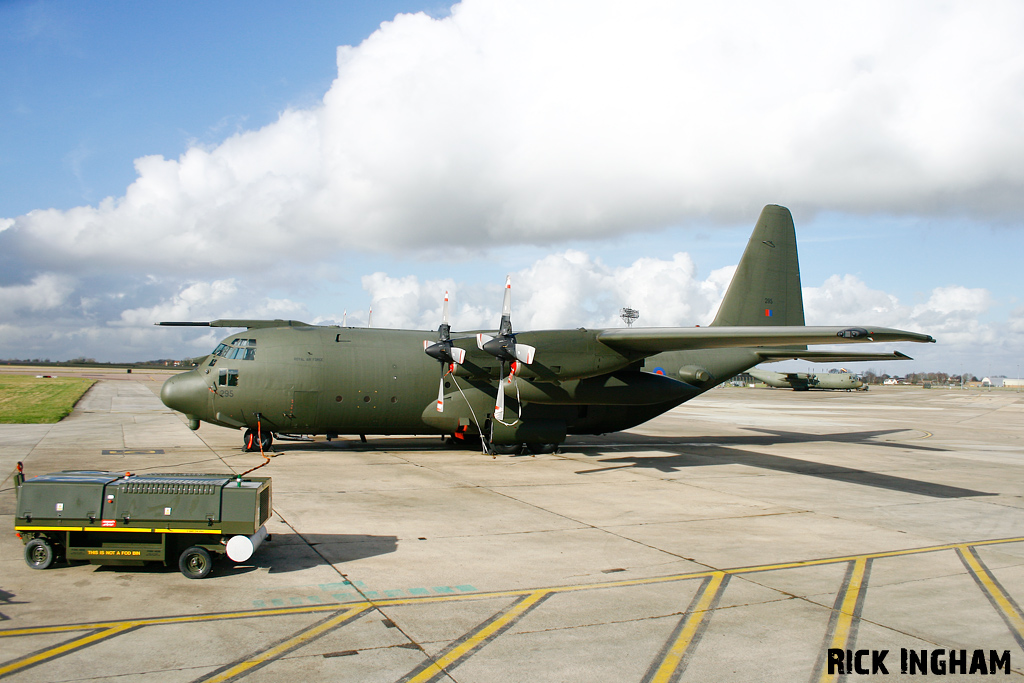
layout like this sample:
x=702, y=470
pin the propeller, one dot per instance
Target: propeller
x=444, y=351
x=505, y=348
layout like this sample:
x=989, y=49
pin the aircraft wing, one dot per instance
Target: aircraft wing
x=773, y=355
x=657, y=339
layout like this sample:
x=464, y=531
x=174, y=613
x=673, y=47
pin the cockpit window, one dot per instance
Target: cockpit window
x=238, y=349
x=228, y=378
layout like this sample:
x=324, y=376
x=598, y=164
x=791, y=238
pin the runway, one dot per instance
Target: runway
x=740, y=537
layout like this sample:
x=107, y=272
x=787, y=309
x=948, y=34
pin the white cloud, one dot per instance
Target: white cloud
x=842, y=298
x=953, y=315
x=205, y=301
x=563, y=290
x=951, y=301
x=47, y=291
x=511, y=123
x=534, y=122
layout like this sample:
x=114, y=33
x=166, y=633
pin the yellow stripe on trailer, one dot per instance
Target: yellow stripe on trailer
x=116, y=529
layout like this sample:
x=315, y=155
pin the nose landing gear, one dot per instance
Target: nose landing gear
x=257, y=440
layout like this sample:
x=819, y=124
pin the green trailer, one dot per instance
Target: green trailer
x=130, y=519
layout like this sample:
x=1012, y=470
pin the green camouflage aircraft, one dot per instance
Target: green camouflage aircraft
x=802, y=381
x=289, y=378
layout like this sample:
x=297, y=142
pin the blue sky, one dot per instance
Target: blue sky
x=89, y=87
x=202, y=160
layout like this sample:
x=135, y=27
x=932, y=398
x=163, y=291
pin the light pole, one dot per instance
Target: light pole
x=629, y=315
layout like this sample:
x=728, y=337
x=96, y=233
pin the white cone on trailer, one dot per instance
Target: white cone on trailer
x=241, y=548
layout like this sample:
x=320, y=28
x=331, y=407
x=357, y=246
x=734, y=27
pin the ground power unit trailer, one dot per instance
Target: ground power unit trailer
x=124, y=519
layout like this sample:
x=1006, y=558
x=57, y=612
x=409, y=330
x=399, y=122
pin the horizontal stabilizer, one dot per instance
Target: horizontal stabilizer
x=773, y=355
x=657, y=339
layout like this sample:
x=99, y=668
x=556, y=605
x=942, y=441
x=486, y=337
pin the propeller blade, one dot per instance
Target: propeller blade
x=525, y=353
x=506, y=304
x=499, y=408
x=482, y=339
x=440, y=395
x=443, y=349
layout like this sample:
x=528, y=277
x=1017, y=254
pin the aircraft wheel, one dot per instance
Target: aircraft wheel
x=195, y=563
x=39, y=554
x=541, y=448
x=506, y=449
x=254, y=441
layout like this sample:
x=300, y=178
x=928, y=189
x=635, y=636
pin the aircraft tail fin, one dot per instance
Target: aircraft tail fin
x=765, y=290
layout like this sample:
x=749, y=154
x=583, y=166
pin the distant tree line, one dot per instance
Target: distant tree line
x=870, y=377
x=161, y=362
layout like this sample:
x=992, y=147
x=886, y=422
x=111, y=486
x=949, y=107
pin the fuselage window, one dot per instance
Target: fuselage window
x=228, y=378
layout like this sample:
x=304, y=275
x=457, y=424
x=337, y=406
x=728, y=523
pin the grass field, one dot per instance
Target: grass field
x=34, y=400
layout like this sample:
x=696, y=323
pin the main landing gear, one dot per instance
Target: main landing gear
x=257, y=440
x=518, y=448
x=473, y=442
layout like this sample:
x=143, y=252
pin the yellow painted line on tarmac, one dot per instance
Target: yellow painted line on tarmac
x=107, y=629
x=844, y=625
x=477, y=639
x=871, y=556
x=997, y=595
x=185, y=619
x=276, y=611
x=40, y=657
x=673, y=660
x=281, y=649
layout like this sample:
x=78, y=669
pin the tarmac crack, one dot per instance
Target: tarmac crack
x=375, y=607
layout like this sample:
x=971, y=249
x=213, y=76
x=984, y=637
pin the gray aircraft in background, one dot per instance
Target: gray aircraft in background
x=803, y=381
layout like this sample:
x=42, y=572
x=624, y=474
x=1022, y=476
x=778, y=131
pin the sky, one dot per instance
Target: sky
x=311, y=161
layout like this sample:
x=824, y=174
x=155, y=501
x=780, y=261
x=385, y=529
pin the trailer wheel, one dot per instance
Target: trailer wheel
x=39, y=553
x=195, y=563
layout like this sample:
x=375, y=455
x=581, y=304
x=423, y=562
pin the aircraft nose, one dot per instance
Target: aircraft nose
x=185, y=393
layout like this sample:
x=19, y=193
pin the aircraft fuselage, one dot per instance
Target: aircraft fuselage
x=337, y=380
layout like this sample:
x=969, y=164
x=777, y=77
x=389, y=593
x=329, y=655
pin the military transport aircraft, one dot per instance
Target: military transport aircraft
x=802, y=381
x=510, y=389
